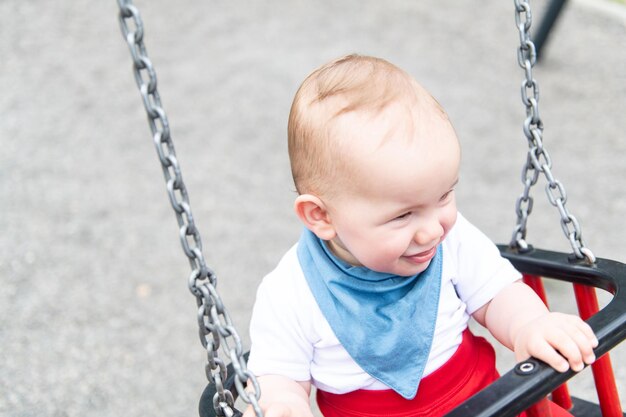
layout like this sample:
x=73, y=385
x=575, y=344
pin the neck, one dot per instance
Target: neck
x=339, y=250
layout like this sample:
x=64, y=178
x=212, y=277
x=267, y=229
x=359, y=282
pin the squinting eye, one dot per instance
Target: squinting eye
x=403, y=216
x=446, y=195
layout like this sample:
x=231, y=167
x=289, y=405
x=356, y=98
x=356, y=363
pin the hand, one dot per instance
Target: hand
x=560, y=340
x=282, y=397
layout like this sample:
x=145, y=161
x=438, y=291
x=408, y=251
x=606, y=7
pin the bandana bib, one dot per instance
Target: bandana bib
x=385, y=322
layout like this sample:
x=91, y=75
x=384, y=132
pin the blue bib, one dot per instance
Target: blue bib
x=385, y=322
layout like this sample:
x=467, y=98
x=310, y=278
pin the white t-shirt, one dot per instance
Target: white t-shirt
x=291, y=337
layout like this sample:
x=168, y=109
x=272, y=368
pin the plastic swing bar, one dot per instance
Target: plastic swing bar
x=531, y=381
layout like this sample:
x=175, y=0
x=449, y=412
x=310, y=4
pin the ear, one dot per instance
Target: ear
x=312, y=211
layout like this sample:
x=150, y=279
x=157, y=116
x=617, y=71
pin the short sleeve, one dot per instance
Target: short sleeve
x=481, y=271
x=280, y=344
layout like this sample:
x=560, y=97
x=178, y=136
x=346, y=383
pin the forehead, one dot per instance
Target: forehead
x=402, y=150
x=399, y=126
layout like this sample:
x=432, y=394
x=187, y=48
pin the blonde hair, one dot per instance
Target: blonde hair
x=348, y=84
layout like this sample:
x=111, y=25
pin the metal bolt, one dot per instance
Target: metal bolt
x=527, y=367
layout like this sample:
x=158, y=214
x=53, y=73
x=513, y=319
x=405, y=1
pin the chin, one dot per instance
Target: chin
x=413, y=270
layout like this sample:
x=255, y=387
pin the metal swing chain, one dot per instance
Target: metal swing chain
x=538, y=160
x=214, y=322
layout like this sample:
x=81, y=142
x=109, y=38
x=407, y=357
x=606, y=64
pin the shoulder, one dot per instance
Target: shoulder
x=286, y=277
x=477, y=269
x=279, y=332
x=465, y=239
x=283, y=322
x=284, y=292
x=464, y=230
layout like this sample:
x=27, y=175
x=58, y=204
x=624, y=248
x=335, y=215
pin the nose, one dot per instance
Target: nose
x=429, y=231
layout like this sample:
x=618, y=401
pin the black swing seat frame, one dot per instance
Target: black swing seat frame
x=530, y=381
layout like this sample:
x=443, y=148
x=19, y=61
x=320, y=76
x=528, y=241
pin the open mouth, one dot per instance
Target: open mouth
x=422, y=257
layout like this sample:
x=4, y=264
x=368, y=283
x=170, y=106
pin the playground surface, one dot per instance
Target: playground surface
x=95, y=315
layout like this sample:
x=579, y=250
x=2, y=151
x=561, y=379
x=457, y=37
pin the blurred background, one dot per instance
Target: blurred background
x=95, y=315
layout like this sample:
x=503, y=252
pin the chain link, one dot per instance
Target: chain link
x=538, y=160
x=215, y=325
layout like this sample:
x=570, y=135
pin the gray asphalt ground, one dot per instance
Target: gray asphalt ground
x=95, y=315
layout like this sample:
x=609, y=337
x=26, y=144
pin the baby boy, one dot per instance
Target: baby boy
x=371, y=306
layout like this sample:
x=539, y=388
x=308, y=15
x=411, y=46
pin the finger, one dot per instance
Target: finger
x=565, y=342
x=583, y=336
x=521, y=353
x=586, y=329
x=585, y=345
x=542, y=349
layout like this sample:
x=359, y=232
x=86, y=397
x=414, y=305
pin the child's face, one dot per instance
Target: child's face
x=400, y=201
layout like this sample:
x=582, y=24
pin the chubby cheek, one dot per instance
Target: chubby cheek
x=387, y=255
x=378, y=254
x=448, y=219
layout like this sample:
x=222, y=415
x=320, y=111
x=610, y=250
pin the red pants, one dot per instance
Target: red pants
x=470, y=369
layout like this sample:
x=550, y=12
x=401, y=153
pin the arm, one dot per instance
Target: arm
x=283, y=397
x=519, y=320
x=281, y=334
